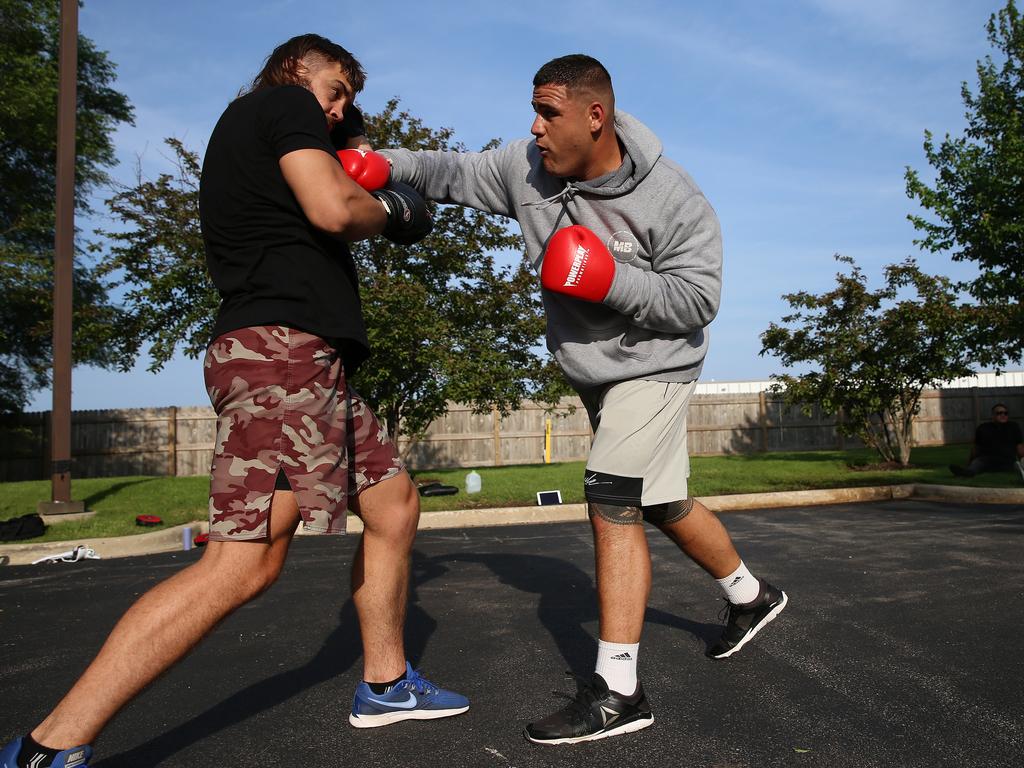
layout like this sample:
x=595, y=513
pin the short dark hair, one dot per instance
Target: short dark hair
x=281, y=66
x=577, y=72
x=1000, y=405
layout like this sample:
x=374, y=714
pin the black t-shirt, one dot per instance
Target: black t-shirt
x=1001, y=440
x=270, y=265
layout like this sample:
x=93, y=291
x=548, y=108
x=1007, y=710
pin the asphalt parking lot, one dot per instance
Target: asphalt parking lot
x=901, y=646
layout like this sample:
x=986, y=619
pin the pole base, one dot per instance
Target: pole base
x=62, y=511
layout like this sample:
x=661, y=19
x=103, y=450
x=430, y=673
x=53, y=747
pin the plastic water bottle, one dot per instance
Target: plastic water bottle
x=186, y=538
x=473, y=482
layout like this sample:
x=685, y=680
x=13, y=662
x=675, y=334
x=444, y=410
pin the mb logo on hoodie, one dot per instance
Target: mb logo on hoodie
x=624, y=246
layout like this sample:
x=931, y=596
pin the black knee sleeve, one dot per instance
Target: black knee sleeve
x=668, y=513
x=616, y=514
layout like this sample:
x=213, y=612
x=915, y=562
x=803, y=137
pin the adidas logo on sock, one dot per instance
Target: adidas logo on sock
x=622, y=657
x=736, y=581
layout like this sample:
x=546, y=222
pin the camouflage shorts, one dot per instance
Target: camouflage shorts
x=282, y=404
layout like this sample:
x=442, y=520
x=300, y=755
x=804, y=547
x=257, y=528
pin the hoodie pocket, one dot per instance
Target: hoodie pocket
x=642, y=343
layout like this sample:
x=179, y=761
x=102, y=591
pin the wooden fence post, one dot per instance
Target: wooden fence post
x=496, y=424
x=172, y=441
x=762, y=417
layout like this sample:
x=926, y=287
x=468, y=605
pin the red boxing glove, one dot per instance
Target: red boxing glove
x=368, y=169
x=577, y=263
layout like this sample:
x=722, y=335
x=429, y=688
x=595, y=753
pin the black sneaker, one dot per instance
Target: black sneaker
x=747, y=620
x=595, y=713
x=960, y=471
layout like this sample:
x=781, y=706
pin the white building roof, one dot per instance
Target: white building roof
x=1005, y=379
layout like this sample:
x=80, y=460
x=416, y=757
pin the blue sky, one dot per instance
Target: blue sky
x=796, y=118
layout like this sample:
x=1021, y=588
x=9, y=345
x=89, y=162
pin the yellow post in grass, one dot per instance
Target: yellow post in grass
x=547, y=441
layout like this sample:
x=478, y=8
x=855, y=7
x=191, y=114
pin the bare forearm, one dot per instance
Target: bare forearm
x=331, y=201
x=368, y=218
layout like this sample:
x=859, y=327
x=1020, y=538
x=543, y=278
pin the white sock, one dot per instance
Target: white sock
x=616, y=663
x=740, y=586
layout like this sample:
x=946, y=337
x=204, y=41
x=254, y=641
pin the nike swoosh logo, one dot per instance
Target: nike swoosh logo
x=407, y=704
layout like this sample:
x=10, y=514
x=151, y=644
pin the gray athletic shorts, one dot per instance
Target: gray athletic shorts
x=638, y=456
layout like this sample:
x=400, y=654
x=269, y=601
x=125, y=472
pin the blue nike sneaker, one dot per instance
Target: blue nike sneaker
x=76, y=757
x=412, y=699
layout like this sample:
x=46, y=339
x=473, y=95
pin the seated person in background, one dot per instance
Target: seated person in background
x=998, y=446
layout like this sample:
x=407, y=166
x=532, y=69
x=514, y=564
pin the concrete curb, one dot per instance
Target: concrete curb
x=170, y=540
x=476, y=518
x=959, y=493
x=167, y=540
x=744, y=501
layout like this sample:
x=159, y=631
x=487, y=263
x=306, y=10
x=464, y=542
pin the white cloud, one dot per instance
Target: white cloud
x=928, y=29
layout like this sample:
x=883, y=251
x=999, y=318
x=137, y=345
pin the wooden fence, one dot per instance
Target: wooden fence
x=179, y=441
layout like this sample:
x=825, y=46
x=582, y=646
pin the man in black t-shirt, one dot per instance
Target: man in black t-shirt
x=294, y=443
x=998, y=446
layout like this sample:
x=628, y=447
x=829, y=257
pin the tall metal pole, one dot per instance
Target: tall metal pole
x=64, y=253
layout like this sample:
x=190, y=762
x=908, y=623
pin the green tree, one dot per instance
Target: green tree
x=445, y=322
x=978, y=194
x=872, y=352
x=28, y=140
x=157, y=256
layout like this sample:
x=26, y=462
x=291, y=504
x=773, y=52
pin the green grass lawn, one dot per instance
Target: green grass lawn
x=117, y=500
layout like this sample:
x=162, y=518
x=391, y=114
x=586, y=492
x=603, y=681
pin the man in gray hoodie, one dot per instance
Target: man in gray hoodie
x=630, y=256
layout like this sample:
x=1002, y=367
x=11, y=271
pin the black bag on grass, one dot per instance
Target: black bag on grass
x=436, y=489
x=21, y=528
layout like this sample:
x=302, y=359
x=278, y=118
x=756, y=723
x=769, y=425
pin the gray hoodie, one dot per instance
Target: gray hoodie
x=649, y=213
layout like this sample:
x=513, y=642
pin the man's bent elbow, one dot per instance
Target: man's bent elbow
x=698, y=318
x=708, y=313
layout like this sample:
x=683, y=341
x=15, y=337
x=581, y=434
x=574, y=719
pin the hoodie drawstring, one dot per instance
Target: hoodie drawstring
x=563, y=197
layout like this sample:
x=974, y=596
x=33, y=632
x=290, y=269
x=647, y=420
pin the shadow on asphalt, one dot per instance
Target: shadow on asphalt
x=567, y=602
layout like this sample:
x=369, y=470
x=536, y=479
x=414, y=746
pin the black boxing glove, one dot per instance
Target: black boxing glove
x=408, y=218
